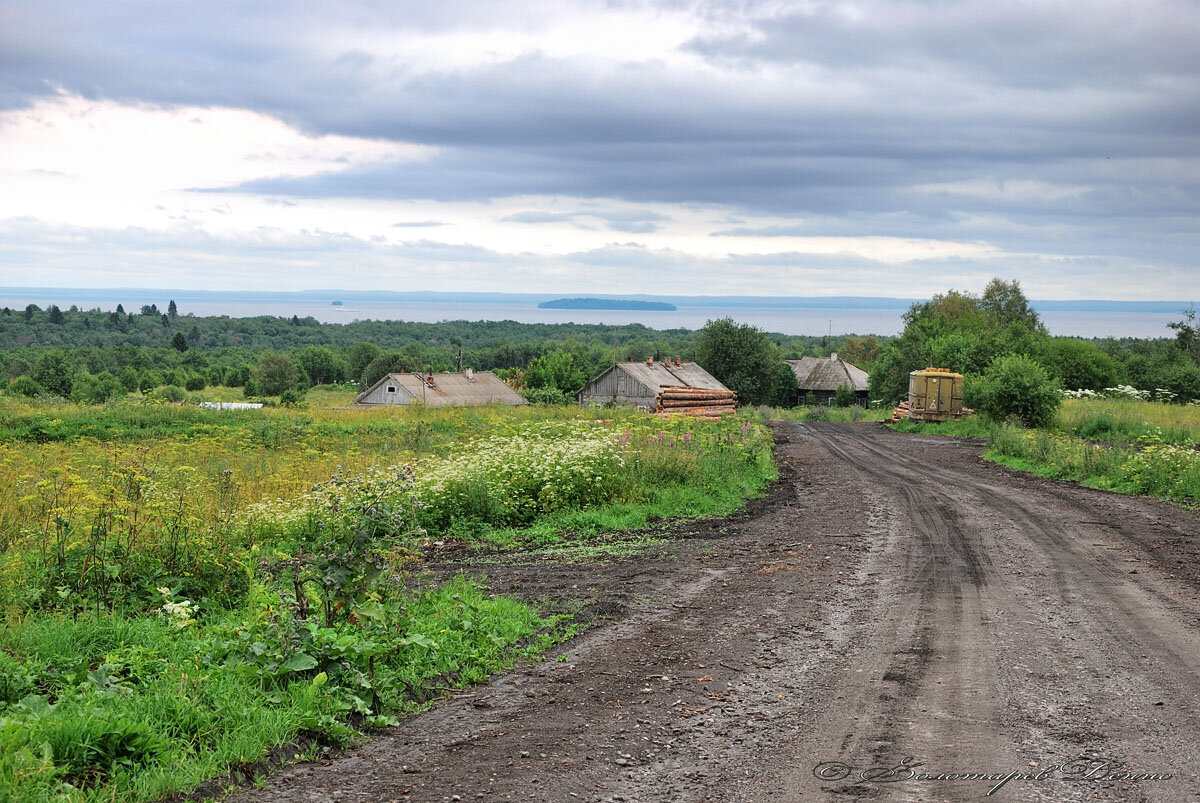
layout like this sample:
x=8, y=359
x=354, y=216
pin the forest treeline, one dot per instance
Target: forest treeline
x=94, y=355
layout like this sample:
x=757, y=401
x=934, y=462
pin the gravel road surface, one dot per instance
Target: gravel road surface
x=895, y=612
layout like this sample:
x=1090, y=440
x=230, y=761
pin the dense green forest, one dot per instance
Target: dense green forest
x=93, y=355
x=968, y=333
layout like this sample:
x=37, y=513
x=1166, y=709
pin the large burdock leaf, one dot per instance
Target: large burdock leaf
x=299, y=662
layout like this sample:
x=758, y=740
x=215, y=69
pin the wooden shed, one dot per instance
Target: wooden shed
x=465, y=389
x=639, y=384
x=822, y=378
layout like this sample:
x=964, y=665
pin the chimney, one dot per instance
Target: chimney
x=833, y=356
x=629, y=358
x=649, y=361
x=471, y=374
x=678, y=362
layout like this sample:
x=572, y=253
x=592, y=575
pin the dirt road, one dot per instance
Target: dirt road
x=894, y=598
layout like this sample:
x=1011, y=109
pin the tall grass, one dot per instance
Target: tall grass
x=1122, y=445
x=1128, y=420
x=1150, y=467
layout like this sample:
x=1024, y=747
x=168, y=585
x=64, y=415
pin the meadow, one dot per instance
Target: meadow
x=183, y=589
x=1117, y=444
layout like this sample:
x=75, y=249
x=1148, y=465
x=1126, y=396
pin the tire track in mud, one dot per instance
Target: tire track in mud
x=1017, y=577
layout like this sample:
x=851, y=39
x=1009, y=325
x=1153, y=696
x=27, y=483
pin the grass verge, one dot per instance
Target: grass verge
x=135, y=708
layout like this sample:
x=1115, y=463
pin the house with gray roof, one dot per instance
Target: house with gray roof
x=638, y=384
x=822, y=378
x=448, y=389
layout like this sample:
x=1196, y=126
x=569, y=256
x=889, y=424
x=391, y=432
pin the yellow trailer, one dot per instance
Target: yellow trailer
x=934, y=394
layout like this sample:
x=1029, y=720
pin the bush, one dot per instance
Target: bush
x=172, y=393
x=1098, y=427
x=843, y=396
x=1017, y=386
x=291, y=398
x=545, y=395
x=25, y=386
x=96, y=389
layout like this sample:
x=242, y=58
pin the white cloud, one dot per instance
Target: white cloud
x=78, y=160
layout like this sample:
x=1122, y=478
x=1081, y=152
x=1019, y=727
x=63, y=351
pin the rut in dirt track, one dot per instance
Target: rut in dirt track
x=895, y=597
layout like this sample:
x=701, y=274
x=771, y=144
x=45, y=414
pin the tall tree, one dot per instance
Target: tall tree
x=274, y=373
x=1004, y=304
x=318, y=364
x=55, y=372
x=744, y=359
x=361, y=356
x=1187, y=333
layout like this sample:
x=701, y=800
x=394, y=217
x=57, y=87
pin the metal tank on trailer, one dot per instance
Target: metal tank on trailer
x=934, y=394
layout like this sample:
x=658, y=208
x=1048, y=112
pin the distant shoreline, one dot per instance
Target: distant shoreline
x=606, y=303
x=140, y=295
x=782, y=315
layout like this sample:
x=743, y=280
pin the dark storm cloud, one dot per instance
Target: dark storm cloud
x=925, y=119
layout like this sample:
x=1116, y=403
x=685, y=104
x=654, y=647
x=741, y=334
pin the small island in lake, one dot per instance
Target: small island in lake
x=604, y=303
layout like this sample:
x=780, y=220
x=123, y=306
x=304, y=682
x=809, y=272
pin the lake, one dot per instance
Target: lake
x=791, y=321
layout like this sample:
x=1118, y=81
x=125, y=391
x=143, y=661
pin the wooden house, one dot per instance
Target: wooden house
x=822, y=378
x=639, y=384
x=465, y=389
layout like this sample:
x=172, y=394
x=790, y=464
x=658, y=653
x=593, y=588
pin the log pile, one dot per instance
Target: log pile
x=901, y=413
x=696, y=401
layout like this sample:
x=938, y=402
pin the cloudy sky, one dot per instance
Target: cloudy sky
x=758, y=148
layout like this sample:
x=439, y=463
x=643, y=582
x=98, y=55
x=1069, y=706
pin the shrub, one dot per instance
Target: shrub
x=1098, y=427
x=25, y=386
x=172, y=393
x=291, y=398
x=843, y=396
x=1017, y=386
x=545, y=395
x=96, y=389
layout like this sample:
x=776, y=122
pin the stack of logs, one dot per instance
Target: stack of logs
x=901, y=413
x=696, y=401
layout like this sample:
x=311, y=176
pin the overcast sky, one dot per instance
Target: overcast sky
x=773, y=148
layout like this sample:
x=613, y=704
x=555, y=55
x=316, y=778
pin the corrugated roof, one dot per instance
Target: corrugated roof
x=453, y=389
x=659, y=375
x=814, y=373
